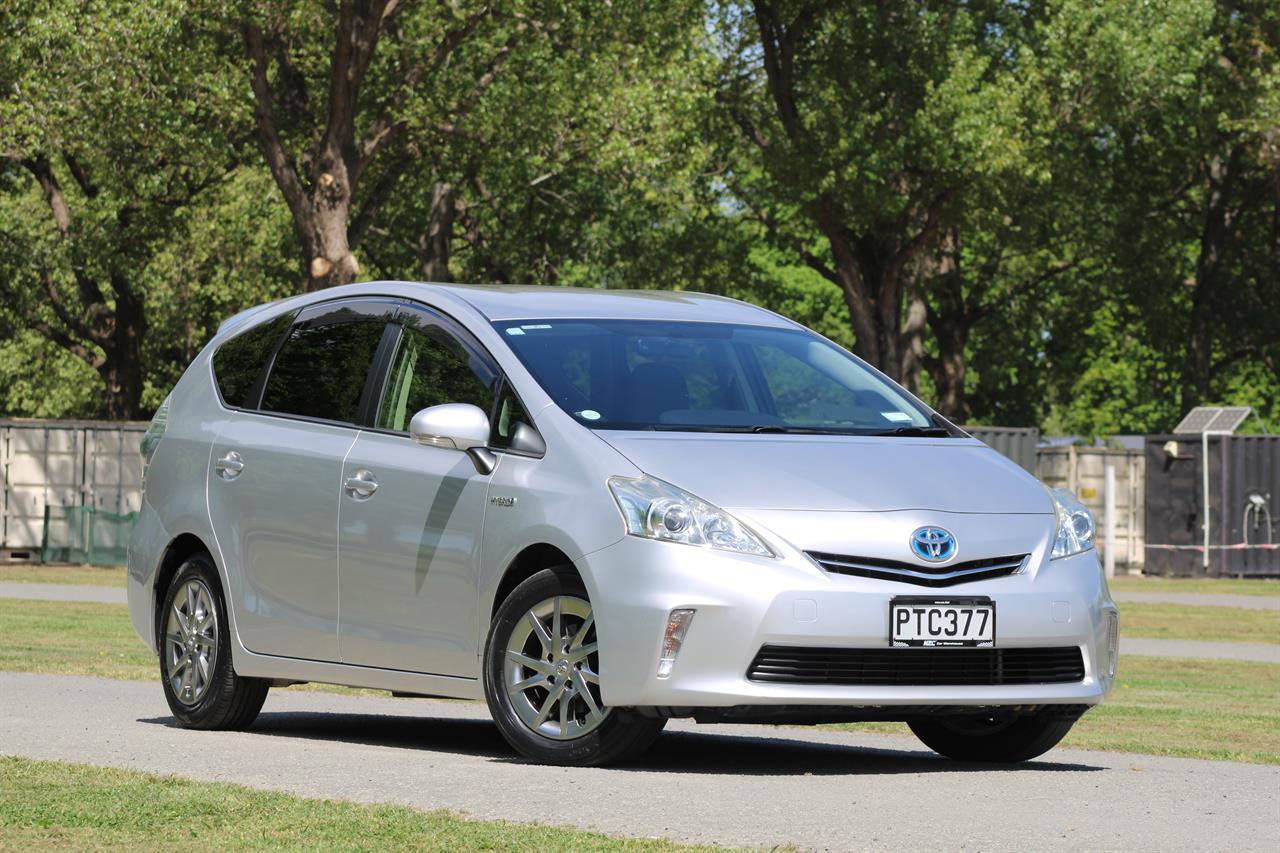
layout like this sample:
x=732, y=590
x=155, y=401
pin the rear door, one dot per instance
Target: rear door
x=276, y=476
x=411, y=518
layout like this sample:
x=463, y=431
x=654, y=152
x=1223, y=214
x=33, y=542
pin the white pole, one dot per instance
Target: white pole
x=1204, y=507
x=1109, y=496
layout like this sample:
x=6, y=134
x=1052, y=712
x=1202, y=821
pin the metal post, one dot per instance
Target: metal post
x=1109, y=497
x=1204, y=508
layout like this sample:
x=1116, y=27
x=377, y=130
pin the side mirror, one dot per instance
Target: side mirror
x=458, y=426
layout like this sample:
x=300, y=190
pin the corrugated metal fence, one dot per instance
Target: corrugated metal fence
x=1017, y=443
x=1083, y=471
x=64, y=464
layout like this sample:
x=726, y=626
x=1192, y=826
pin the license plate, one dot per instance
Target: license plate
x=920, y=621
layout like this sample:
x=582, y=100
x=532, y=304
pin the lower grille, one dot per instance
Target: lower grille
x=935, y=576
x=916, y=667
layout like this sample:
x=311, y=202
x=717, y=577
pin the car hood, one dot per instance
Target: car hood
x=835, y=473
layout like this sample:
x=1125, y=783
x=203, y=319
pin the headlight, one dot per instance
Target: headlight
x=657, y=510
x=1075, y=524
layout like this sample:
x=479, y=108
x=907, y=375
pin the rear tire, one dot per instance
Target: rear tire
x=194, y=636
x=993, y=737
x=541, y=682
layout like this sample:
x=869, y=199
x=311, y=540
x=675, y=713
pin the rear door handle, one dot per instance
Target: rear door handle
x=361, y=485
x=229, y=465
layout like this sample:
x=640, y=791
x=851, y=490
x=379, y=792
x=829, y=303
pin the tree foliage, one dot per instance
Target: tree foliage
x=1062, y=213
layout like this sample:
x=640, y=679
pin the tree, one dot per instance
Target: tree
x=611, y=155
x=859, y=140
x=336, y=129
x=112, y=122
x=1181, y=118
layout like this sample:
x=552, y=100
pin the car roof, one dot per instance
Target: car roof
x=499, y=302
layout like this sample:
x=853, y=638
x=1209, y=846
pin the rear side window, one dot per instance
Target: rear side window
x=238, y=363
x=432, y=367
x=321, y=369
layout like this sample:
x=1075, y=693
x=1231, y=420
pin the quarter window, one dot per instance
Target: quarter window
x=432, y=367
x=238, y=363
x=321, y=369
x=509, y=413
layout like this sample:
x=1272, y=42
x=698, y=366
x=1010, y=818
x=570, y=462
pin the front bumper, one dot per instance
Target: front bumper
x=744, y=603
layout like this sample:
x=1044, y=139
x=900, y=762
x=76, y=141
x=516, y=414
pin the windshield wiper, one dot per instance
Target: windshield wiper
x=787, y=430
x=913, y=431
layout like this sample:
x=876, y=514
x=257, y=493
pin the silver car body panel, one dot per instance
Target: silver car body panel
x=397, y=594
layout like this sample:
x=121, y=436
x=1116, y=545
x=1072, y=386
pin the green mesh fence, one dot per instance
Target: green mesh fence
x=83, y=534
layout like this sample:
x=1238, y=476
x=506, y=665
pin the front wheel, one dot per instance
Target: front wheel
x=541, y=678
x=994, y=737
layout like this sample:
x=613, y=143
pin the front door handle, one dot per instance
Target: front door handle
x=229, y=465
x=361, y=485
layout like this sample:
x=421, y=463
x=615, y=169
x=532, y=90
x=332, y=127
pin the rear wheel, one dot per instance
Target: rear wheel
x=202, y=689
x=994, y=737
x=541, y=678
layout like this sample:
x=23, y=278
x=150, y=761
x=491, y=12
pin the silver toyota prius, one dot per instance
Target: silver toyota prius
x=598, y=510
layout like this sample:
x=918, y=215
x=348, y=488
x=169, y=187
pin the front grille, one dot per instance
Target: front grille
x=916, y=666
x=920, y=575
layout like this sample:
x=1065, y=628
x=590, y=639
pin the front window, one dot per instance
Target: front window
x=431, y=368
x=663, y=375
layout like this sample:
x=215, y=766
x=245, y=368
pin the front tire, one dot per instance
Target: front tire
x=541, y=678
x=200, y=685
x=997, y=738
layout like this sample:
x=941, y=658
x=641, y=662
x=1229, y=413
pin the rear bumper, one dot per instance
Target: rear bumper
x=745, y=603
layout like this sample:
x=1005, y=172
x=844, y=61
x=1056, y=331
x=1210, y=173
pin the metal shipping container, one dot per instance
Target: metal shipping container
x=1017, y=443
x=1242, y=510
x=63, y=464
x=1083, y=471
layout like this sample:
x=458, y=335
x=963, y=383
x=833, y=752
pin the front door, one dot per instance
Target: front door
x=411, y=515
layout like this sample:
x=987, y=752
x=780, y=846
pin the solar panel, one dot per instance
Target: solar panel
x=1230, y=418
x=1212, y=419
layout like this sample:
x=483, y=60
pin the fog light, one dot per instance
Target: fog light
x=1113, y=643
x=677, y=626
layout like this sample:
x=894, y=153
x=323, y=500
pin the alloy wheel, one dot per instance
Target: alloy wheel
x=191, y=642
x=551, y=667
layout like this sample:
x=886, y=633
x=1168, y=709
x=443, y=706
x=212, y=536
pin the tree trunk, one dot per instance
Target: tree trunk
x=913, y=329
x=435, y=245
x=1197, y=369
x=121, y=368
x=329, y=259
x=872, y=295
x=950, y=323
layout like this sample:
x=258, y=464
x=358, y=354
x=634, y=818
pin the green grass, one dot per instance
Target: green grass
x=77, y=638
x=1220, y=586
x=1218, y=709
x=73, y=638
x=1189, y=622
x=51, y=805
x=1222, y=710
x=92, y=575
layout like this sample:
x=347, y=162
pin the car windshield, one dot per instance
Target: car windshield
x=710, y=377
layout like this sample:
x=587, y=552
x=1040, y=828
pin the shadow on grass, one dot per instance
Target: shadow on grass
x=676, y=752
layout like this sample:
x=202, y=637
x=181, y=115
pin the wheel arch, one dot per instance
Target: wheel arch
x=177, y=552
x=531, y=560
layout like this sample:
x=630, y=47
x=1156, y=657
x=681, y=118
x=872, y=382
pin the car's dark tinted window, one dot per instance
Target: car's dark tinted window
x=321, y=369
x=430, y=368
x=238, y=363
